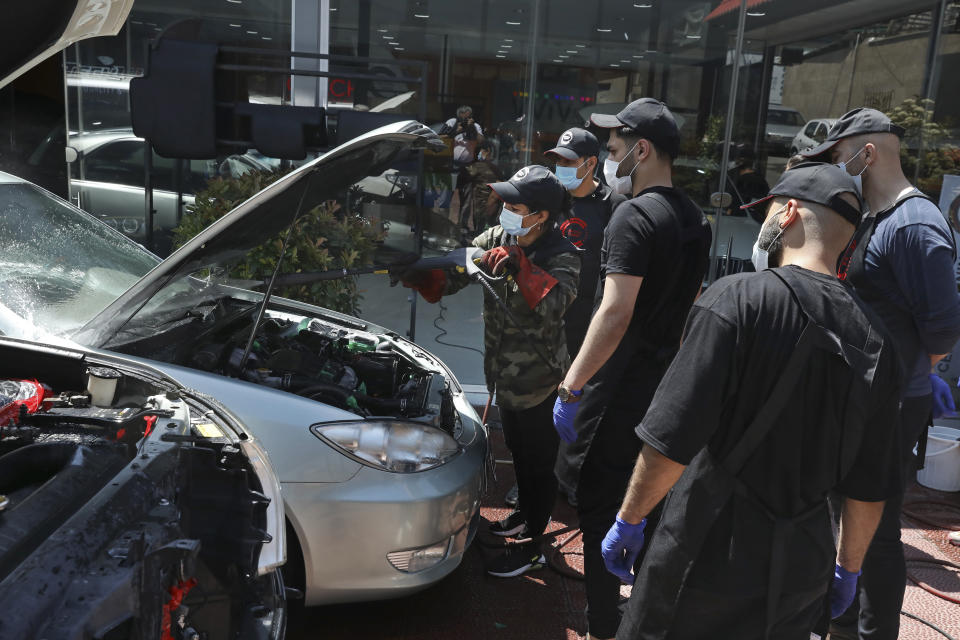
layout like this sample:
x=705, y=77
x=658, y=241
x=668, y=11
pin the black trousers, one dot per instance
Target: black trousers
x=603, y=482
x=533, y=441
x=884, y=572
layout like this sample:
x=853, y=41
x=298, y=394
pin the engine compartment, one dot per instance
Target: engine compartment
x=141, y=518
x=324, y=359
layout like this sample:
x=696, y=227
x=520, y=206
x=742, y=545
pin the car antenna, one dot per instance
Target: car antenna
x=273, y=278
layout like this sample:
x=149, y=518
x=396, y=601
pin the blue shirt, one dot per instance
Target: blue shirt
x=912, y=287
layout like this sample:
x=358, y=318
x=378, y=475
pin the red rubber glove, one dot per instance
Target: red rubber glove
x=430, y=283
x=533, y=282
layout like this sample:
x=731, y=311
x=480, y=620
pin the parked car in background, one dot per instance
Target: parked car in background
x=812, y=134
x=783, y=124
x=379, y=454
x=109, y=176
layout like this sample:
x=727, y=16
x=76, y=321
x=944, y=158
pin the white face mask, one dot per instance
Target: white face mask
x=624, y=184
x=857, y=179
x=512, y=222
x=568, y=176
x=761, y=257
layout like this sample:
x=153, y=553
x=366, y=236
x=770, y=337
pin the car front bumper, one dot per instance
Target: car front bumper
x=347, y=529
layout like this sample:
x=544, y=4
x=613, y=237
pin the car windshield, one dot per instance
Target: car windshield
x=783, y=116
x=59, y=266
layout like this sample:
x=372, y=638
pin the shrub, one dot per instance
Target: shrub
x=325, y=237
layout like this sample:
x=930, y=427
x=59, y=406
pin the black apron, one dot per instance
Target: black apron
x=638, y=364
x=708, y=485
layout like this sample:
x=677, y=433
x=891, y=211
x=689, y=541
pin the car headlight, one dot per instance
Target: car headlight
x=399, y=447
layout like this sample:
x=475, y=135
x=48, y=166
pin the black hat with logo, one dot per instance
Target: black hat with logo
x=535, y=186
x=576, y=143
x=820, y=183
x=648, y=118
x=854, y=123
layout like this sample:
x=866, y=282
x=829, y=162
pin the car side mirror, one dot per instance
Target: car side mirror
x=70, y=154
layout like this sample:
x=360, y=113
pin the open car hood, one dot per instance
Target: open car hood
x=33, y=31
x=263, y=216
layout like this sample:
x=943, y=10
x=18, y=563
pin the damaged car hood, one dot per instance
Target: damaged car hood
x=226, y=242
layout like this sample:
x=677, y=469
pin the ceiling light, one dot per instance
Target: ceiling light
x=266, y=38
x=333, y=8
x=572, y=51
x=253, y=33
x=580, y=46
x=506, y=46
x=612, y=64
x=692, y=37
x=382, y=30
x=560, y=61
x=638, y=55
x=500, y=56
x=501, y=51
x=236, y=25
x=421, y=15
x=388, y=37
x=604, y=30
x=756, y=14
x=626, y=61
x=398, y=49
x=507, y=40
x=642, y=6
x=513, y=24
x=235, y=1
x=563, y=56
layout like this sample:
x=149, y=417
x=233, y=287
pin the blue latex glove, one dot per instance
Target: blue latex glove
x=563, y=416
x=620, y=548
x=842, y=591
x=942, y=398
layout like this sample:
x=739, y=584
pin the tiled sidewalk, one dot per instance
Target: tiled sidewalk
x=544, y=605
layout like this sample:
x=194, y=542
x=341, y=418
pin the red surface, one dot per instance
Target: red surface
x=543, y=605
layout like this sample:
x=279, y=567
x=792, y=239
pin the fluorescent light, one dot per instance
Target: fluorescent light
x=560, y=61
x=398, y=49
x=638, y=56
x=572, y=51
x=756, y=14
x=613, y=64
x=388, y=37
x=421, y=15
x=97, y=123
x=601, y=30
x=253, y=33
x=506, y=46
x=236, y=25
x=501, y=51
x=580, y=46
x=626, y=61
x=393, y=44
x=333, y=8
x=563, y=56
x=514, y=24
x=642, y=6
x=691, y=37
x=235, y=1
x=507, y=40
x=383, y=30
x=266, y=38
x=500, y=56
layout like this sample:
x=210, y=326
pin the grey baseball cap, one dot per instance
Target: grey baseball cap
x=650, y=118
x=854, y=123
x=576, y=143
x=535, y=186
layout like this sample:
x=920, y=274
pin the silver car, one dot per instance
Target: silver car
x=381, y=458
x=812, y=134
x=109, y=177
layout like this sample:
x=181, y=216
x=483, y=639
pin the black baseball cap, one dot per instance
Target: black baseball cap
x=820, y=183
x=854, y=123
x=576, y=143
x=534, y=186
x=650, y=119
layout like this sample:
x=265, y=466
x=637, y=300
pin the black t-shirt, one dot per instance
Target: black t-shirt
x=738, y=338
x=585, y=230
x=635, y=244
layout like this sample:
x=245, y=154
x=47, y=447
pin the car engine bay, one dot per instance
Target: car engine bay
x=327, y=359
x=138, y=517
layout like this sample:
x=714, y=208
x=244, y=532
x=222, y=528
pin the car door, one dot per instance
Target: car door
x=111, y=187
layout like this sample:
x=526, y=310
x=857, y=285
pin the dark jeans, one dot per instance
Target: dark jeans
x=884, y=572
x=603, y=483
x=533, y=441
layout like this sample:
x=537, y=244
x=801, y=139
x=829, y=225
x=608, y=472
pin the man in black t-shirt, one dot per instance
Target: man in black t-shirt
x=653, y=259
x=786, y=387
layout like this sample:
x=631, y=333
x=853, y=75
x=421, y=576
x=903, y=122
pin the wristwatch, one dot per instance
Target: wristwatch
x=568, y=395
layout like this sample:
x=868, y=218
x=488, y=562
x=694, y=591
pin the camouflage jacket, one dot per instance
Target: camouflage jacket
x=513, y=369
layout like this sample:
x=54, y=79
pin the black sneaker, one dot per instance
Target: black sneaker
x=515, y=562
x=512, y=496
x=509, y=526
